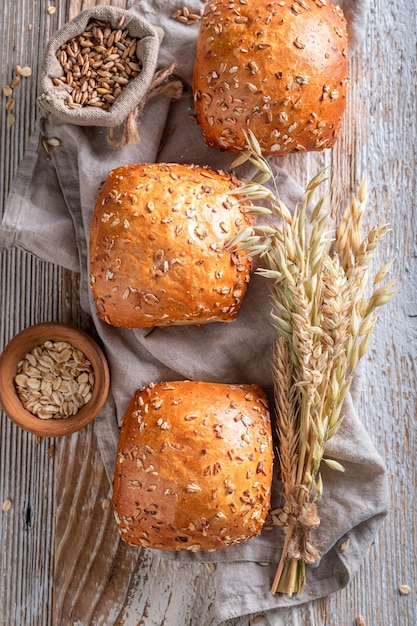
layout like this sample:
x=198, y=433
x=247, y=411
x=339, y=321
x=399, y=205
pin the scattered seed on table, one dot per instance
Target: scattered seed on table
x=24, y=71
x=10, y=104
x=10, y=119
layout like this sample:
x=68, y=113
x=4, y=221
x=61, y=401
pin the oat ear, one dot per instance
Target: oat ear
x=324, y=322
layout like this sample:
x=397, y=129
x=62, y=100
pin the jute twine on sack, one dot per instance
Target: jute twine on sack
x=123, y=115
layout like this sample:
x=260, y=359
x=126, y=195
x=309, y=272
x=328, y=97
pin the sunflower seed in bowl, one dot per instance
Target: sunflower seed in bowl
x=54, y=380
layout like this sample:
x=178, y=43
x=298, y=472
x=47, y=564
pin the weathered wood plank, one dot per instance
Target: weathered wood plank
x=76, y=6
x=379, y=140
x=92, y=567
x=30, y=292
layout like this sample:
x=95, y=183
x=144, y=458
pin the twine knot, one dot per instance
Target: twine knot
x=160, y=85
x=303, y=518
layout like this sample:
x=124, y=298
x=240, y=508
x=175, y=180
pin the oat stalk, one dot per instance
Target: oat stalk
x=324, y=320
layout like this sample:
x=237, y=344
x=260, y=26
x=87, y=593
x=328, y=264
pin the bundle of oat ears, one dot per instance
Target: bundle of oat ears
x=324, y=322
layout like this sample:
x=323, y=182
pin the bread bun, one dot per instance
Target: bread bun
x=194, y=466
x=157, y=246
x=277, y=68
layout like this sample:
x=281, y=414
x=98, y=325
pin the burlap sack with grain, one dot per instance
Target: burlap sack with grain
x=52, y=99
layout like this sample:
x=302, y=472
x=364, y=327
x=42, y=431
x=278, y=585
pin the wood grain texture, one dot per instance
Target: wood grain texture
x=76, y=6
x=62, y=563
x=30, y=292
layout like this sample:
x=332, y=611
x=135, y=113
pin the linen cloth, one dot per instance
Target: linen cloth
x=49, y=213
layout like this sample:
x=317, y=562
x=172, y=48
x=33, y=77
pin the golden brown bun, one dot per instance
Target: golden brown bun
x=157, y=254
x=278, y=68
x=194, y=466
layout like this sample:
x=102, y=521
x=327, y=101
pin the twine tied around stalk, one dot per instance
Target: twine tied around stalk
x=160, y=85
x=303, y=519
x=300, y=520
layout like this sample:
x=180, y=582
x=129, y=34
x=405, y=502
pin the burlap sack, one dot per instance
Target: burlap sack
x=52, y=98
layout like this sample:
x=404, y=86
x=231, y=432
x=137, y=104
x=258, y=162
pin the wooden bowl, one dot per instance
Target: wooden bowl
x=22, y=344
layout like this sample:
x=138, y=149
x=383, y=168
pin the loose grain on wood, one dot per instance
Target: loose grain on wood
x=30, y=292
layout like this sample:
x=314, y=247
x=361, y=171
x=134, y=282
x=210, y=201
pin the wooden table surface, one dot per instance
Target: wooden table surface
x=61, y=560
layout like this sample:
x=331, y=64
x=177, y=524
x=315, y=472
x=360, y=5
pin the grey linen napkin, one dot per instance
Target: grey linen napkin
x=49, y=213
